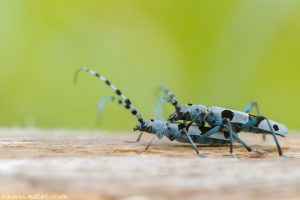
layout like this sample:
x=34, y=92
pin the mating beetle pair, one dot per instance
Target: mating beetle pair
x=223, y=124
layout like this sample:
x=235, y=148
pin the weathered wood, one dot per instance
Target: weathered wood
x=98, y=165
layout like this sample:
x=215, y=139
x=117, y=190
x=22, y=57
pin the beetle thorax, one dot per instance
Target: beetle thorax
x=151, y=126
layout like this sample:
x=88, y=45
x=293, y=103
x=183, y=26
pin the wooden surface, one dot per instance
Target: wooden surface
x=98, y=165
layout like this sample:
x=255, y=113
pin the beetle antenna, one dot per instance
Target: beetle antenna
x=171, y=97
x=127, y=102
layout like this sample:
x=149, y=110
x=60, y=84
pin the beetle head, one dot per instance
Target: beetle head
x=145, y=125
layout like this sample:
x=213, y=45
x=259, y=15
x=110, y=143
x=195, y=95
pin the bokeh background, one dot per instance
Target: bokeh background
x=223, y=53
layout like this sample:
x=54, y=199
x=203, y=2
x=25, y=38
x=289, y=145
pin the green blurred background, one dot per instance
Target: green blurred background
x=223, y=53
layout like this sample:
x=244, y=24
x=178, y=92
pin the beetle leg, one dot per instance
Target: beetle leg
x=248, y=109
x=137, y=139
x=255, y=121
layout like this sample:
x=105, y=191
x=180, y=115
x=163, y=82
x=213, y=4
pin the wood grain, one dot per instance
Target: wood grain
x=99, y=165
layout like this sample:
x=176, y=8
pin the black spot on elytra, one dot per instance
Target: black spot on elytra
x=107, y=82
x=152, y=120
x=275, y=126
x=238, y=129
x=190, y=104
x=181, y=126
x=259, y=120
x=227, y=114
x=127, y=106
x=226, y=135
x=118, y=92
x=202, y=129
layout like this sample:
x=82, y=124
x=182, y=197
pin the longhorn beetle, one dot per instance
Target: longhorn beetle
x=173, y=131
x=214, y=116
x=220, y=138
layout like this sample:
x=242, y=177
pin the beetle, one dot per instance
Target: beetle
x=217, y=116
x=171, y=130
